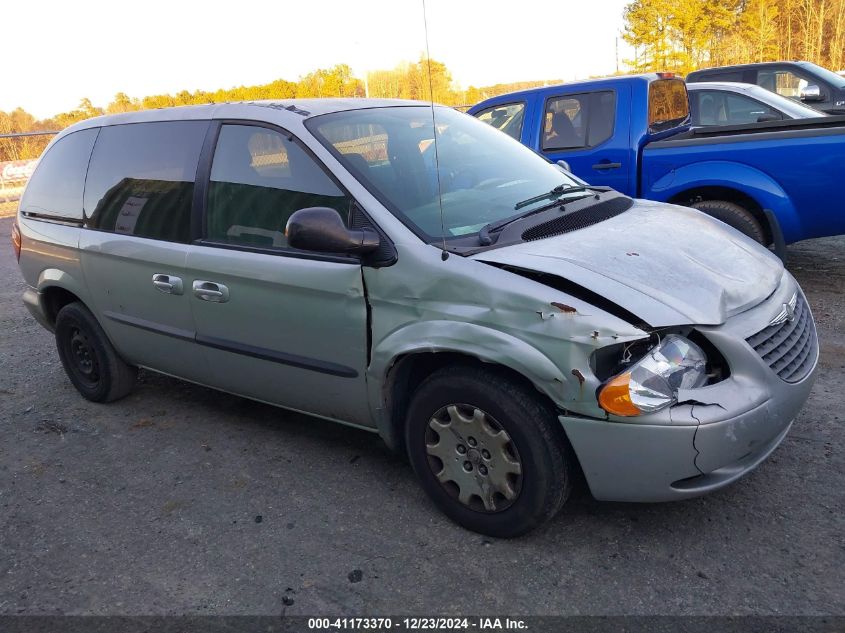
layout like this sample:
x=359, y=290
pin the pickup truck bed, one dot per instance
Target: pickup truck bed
x=789, y=170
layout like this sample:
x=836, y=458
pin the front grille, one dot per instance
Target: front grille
x=578, y=219
x=789, y=348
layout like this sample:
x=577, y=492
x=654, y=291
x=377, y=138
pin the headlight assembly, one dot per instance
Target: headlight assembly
x=652, y=383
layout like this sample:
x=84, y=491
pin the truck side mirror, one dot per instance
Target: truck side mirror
x=811, y=93
x=564, y=165
x=321, y=229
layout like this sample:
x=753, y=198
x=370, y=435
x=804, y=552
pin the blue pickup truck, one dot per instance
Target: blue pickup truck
x=777, y=181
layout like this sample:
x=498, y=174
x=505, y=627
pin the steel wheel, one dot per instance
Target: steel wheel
x=473, y=458
x=84, y=357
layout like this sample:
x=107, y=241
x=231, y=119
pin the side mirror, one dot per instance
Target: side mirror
x=564, y=165
x=769, y=116
x=321, y=229
x=812, y=93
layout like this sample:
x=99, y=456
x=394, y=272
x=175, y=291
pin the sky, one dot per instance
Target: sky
x=64, y=51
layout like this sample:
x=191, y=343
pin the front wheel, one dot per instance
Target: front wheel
x=733, y=215
x=489, y=452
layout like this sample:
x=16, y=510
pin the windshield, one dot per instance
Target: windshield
x=823, y=73
x=484, y=174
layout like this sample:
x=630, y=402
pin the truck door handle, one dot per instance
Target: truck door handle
x=168, y=284
x=606, y=166
x=211, y=291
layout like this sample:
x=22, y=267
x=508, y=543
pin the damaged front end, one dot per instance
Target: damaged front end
x=720, y=407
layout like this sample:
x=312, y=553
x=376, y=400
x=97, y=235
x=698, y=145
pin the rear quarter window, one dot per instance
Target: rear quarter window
x=55, y=189
x=141, y=179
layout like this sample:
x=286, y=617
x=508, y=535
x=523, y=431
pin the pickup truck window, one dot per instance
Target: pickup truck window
x=723, y=108
x=507, y=118
x=483, y=173
x=784, y=82
x=668, y=104
x=576, y=121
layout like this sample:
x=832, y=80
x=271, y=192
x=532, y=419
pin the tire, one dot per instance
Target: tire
x=466, y=399
x=89, y=359
x=733, y=215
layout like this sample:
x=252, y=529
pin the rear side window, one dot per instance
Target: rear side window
x=729, y=76
x=259, y=177
x=507, y=117
x=55, y=188
x=576, y=121
x=724, y=108
x=668, y=104
x=141, y=179
x=784, y=82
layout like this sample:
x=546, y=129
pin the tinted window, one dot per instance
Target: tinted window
x=56, y=186
x=141, y=179
x=508, y=118
x=725, y=108
x=668, y=104
x=731, y=76
x=783, y=82
x=575, y=121
x=258, y=179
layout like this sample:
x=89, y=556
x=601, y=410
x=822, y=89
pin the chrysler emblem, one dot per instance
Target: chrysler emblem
x=787, y=313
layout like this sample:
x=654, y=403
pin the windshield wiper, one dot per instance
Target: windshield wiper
x=554, y=193
x=484, y=233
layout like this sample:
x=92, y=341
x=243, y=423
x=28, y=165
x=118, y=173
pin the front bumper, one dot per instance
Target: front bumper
x=720, y=433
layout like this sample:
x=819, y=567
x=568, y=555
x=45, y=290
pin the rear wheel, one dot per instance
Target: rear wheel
x=733, y=215
x=89, y=359
x=489, y=452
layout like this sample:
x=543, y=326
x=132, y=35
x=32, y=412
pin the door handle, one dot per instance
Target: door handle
x=211, y=291
x=168, y=284
x=606, y=166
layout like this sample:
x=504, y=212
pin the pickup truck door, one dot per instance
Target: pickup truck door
x=276, y=324
x=590, y=131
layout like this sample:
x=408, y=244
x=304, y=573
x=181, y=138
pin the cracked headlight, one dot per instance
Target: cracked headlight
x=652, y=383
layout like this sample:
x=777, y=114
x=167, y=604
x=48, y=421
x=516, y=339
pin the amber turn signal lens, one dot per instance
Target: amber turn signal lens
x=615, y=397
x=16, y=240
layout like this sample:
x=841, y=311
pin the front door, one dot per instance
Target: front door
x=579, y=128
x=276, y=324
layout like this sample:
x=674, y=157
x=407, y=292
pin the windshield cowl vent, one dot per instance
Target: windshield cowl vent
x=579, y=219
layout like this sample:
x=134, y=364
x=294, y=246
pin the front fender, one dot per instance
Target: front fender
x=739, y=177
x=471, y=339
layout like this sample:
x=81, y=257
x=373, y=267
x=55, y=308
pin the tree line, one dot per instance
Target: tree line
x=683, y=35
x=406, y=81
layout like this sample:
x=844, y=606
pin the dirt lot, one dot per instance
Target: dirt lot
x=184, y=500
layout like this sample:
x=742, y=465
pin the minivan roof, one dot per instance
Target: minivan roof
x=294, y=109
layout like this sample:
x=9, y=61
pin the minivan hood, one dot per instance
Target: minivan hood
x=667, y=265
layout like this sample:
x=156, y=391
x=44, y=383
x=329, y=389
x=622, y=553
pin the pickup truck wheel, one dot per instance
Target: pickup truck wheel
x=734, y=215
x=489, y=452
x=89, y=359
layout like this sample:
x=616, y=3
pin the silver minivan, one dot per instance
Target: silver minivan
x=409, y=270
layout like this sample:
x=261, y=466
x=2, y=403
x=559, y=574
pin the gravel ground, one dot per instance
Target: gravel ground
x=182, y=500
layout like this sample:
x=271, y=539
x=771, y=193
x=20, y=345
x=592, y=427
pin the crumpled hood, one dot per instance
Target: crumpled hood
x=668, y=265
